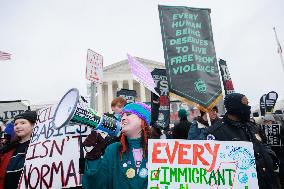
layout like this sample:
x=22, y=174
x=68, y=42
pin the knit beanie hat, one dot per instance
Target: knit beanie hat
x=233, y=102
x=31, y=116
x=182, y=113
x=140, y=109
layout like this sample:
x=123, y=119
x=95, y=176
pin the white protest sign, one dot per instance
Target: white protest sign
x=193, y=164
x=141, y=74
x=52, y=159
x=94, y=67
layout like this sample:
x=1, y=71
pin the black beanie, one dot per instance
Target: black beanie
x=233, y=101
x=31, y=116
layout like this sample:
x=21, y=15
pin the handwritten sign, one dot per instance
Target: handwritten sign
x=94, y=67
x=52, y=159
x=184, y=164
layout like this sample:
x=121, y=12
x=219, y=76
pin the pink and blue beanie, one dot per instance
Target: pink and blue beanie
x=140, y=109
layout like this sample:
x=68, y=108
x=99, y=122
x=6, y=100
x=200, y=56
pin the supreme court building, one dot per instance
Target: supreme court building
x=117, y=76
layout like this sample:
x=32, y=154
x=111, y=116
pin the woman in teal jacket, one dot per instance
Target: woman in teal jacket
x=124, y=163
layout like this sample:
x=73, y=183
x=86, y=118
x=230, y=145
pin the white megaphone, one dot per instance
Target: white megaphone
x=71, y=110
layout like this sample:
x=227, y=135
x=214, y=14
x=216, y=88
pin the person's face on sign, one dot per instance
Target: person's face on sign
x=23, y=128
x=131, y=125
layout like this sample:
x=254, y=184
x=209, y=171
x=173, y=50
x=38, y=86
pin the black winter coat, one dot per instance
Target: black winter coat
x=265, y=158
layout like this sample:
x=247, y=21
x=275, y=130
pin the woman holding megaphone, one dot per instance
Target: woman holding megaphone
x=124, y=163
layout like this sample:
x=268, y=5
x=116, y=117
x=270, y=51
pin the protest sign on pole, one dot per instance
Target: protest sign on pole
x=262, y=105
x=160, y=78
x=94, y=67
x=189, y=52
x=226, y=77
x=94, y=73
x=270, y=101
x=141, y=74
x=272, y=133
x=52, y=159
x=201, y=164
x=128, y=95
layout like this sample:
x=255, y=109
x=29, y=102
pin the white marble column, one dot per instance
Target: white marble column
x=120, y=84
x=100, y=98
x=110, y=95
x=142, y=93
x=130, y=84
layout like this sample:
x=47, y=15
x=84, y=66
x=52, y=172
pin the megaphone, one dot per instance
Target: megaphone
x=71, y=110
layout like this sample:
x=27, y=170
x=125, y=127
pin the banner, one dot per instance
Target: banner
x=189, y=52
x=262, y=105
x=160, y=78
x=193, y=164
x=226, y=77
x=128, y=95
x=270, y=101
x=9, y=109
x=272, y=133
x=141, y=74
x=52, y=159
x=94, y=67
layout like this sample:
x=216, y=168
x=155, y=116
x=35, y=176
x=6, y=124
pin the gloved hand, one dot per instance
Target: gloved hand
x=94, y=145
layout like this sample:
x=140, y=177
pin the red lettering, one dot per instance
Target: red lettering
x=214, y=154
x=71, y=173
x=46, y=149
x=42, y=179
x=59, y=150
x=56, y=170
x=182, y=153
x=171, y=157
x=156, y=152
x=33, y=156
x=30, y=176
x=198, y=150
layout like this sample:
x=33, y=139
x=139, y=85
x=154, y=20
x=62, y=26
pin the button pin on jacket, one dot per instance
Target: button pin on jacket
x=130, y=173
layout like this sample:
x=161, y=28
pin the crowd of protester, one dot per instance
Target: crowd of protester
x=121, y=162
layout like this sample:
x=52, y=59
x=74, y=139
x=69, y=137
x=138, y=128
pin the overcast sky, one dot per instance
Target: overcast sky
x=49, y=39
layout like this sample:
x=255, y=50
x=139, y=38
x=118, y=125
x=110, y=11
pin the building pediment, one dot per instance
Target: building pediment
x=123, y=66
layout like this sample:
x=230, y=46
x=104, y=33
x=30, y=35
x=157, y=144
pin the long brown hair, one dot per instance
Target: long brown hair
x=146, y=133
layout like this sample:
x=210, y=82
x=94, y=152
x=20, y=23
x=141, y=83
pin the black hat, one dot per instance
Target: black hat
x=233, y=101
x=215, y=108
x=31, y=116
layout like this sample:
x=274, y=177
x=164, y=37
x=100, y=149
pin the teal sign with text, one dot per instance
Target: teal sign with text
x=189, y=51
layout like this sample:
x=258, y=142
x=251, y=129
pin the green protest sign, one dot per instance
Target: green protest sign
x=190, y=57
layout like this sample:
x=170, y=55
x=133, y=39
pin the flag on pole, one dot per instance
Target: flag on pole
x=5, y=56
x=279, y=50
